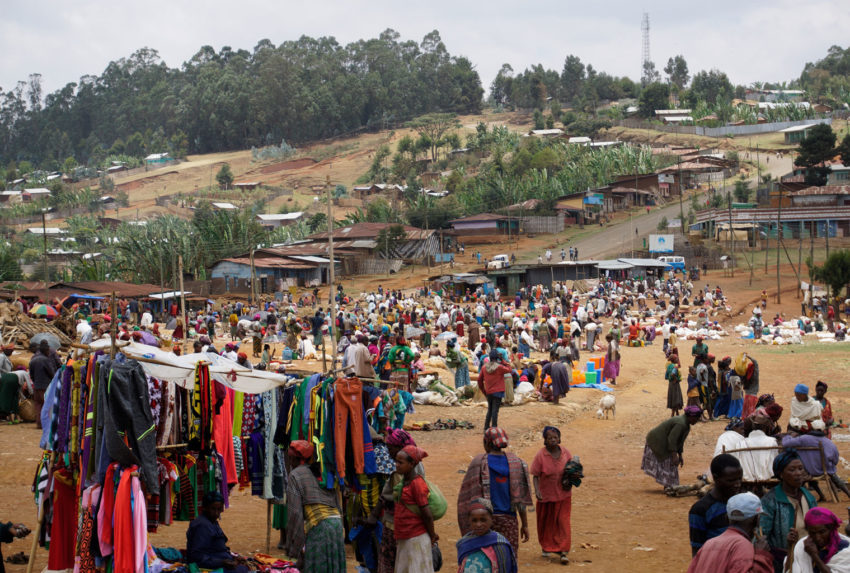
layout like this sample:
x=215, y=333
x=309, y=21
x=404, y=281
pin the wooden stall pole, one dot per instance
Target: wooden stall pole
x=113, y=328
x=268, y=526
x=182, y=306
x=39, y=525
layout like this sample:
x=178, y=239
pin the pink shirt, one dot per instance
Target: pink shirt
x=731, y=552
x=549, y=471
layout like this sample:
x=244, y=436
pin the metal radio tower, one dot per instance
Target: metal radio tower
x=645, y=59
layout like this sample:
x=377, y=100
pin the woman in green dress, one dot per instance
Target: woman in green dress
x=400, y=357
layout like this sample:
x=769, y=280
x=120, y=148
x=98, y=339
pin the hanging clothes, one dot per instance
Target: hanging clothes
x=63, y=531
x=223, y=436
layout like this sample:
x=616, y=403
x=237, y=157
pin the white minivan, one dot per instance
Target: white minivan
x=499, y=262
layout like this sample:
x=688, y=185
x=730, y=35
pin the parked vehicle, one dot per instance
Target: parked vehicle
x=499, y=262
x=677, y=264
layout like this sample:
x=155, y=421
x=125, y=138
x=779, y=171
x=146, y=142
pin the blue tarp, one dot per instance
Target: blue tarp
x=602, y=387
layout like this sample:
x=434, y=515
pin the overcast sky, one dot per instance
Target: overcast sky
x=751, y=40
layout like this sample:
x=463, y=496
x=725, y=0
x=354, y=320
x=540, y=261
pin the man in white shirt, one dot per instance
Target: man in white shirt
x=665, y=335
x=84, y=331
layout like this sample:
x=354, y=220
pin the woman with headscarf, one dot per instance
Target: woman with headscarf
x=804, y=407
x=314, y=532
x=785, y=506
x=662, y=454
x=412, y=519
x=612, y=359
x=456, y=360
x=491, y=381
x=826, y=406
x=675, y=401
x=395, y=440
x=481, y=548
x=721, y=407
x=824, y=548
x=502, y=478
x=400, y=358
x=554, y=503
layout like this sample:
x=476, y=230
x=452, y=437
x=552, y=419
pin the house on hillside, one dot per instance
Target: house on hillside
x=275, y=269
x=246, y=185
x=360, y=239
x=275, y=220
x=546, y=133
x=674, y=115
x=224, y=206
x=157, y=159
x=10, y=196
x=797, y=133
x=383, y=190
x=484, y=228
x=34, y=194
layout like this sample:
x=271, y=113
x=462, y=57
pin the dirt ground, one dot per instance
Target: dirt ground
x=615, y=502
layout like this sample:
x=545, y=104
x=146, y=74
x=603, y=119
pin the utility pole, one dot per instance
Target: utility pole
x=778, y=242
x=800, y=261
x=732, y=234
x=44, y=254
x=681, y=207
x=182, y=304
x=253, y=276
x=331, y=271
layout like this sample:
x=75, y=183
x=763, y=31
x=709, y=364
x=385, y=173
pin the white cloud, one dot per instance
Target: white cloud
x=756, y=40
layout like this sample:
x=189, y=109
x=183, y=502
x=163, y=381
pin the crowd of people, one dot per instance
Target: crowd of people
x=759, y=509
x=535, y=336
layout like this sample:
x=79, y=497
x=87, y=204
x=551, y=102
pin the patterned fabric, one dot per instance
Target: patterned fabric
x=325, y=548
x=237, y=454
x=386, y=465
x=476, y=483
x=665, y=472
x=507, y=525
x=315, y=513
x=387, y=551
x=155, y=393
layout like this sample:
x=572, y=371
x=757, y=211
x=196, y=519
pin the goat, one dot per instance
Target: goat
x=607, y=404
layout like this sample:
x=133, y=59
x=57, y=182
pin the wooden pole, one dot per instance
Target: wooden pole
x=332, y=311
x=113, y=328
x=778, y=243
x=46, y=274
x=253, y=277
x=268, y=526
x=39, y=525
x=182, y=304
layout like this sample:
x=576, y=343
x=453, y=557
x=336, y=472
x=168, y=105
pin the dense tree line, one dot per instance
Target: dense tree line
x=234, y=99
x=577, y=84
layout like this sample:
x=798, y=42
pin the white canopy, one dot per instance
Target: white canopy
x=181, y=369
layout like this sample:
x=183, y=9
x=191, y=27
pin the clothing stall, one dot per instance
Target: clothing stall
x=133, y=438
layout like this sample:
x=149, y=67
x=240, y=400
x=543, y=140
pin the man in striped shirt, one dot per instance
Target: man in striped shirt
x=707, y=517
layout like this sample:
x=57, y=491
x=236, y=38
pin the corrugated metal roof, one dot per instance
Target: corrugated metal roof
x=479, y=217
x=643, y=262
x=281, y=216
x=614, y=266
x=824, y=190
x=270, y=263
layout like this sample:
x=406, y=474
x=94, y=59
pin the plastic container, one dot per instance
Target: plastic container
x=601, y=363
x=591, y=366
x=590, y=378
x=578, y=377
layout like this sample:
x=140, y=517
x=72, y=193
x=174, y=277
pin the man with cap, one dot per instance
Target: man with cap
x=804, y=407
x=733, y=550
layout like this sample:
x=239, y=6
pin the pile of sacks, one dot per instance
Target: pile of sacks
x=430, y=390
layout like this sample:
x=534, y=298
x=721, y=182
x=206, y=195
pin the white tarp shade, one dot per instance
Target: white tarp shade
x=181, y=369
